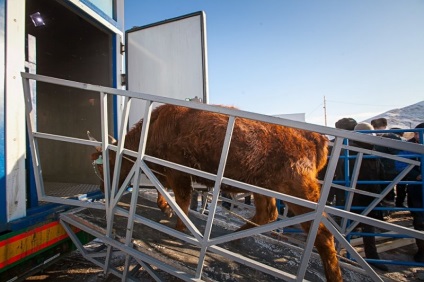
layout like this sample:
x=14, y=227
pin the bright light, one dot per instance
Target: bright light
x=37, y=19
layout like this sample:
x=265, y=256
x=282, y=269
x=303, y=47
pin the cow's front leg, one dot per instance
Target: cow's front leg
x=181, y=185
x=164, y=206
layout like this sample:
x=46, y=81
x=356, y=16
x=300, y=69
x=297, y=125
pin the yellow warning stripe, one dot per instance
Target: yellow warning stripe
x=29, y=242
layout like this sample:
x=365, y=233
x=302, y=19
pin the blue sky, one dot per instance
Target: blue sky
x=283, y=56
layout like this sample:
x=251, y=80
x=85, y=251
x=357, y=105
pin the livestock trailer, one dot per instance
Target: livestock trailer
x=78, y=40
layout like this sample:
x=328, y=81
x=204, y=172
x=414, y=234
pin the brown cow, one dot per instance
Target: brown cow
x=275, y=157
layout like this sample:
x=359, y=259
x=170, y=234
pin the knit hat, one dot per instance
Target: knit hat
x=346, y=123
x=364, y=126
x=380, y=123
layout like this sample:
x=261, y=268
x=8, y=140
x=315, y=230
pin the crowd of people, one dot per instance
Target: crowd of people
x=378, y=169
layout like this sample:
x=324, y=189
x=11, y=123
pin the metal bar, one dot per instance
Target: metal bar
x=175, y=207
x=261, y=229
x=353, y=181
x=160, y=227
x=120, y=147
x=319, y=211
x=73, y=202
x=269, y=193
x=106, y=175
x=203, y=240
x=134, y=192
x=372, y=153
x=216, y=191
x=49, y=136
x=233, y=112
x=134, y=253
x=149, y=270
x=375, y=222
x=114, y=198
x=130, y=221
x=254, y=264
x=179, y=167
x=352, y=251
x=86, y=254
x=124, y=185
x=31, y=124
x=375, y=202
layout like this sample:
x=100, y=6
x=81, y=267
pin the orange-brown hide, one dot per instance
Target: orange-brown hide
x=275, y=157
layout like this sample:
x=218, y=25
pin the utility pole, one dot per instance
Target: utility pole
x=325, y=112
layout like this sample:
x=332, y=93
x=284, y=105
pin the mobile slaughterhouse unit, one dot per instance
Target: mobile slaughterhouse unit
x=74, y=40
x=70, y=69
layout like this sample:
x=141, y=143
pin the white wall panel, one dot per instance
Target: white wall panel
x=167, y=59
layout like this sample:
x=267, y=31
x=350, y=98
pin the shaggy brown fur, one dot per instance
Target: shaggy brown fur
x=275, y=157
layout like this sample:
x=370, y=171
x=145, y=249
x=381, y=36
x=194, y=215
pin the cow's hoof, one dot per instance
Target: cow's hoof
x=168, y=212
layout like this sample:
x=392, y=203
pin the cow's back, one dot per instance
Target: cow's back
x=258, y=150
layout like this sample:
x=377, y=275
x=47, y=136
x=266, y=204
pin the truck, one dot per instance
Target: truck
x=77, y=40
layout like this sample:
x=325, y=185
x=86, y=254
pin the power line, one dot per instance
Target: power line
x=319, y=106
x=361, y=104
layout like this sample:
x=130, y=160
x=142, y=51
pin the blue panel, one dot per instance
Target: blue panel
x=107, y=15
x=3, y=212
x=32, y=197
x=104, y=6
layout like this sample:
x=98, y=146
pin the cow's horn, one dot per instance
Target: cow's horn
x=90, y=137
x=112, y=140
x=98, y=149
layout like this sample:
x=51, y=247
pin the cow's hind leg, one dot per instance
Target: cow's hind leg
x=324, y=241
x=266, y=211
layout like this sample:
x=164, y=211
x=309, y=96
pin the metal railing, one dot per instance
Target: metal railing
x=321, y=213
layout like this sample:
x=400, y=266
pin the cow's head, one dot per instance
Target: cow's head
x=97, y=159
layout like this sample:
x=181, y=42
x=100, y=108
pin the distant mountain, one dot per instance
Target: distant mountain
x=407, y=117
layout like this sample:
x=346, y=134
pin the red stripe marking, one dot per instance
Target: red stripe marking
x=27, y=233
x=33, y=250
x=36, y=248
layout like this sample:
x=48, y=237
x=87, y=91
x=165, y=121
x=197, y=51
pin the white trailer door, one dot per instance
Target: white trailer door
x=167, y=59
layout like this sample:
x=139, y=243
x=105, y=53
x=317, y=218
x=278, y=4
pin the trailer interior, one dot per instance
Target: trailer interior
x=68, y=46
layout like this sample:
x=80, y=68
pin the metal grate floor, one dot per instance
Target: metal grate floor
x=60, y=189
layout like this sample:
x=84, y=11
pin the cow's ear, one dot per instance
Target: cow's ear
x=98, y=149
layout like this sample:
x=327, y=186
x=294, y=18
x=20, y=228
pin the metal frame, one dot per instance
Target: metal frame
x=321, y=213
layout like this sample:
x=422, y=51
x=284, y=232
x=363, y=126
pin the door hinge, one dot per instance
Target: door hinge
x=122, y=48
x=123, y=79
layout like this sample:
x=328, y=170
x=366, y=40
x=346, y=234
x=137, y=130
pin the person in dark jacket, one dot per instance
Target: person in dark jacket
x=371, y=169
x=415, y=198
x=390, y=171
x=338, y=194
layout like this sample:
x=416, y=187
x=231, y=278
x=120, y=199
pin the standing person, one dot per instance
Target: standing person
x=346, y=124
x=371, y=169
x=390, y=171
x=400, y=188
x=415, y=197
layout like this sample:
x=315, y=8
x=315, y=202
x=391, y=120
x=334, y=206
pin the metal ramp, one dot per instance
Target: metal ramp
x=204, y=240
